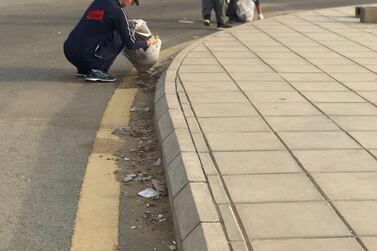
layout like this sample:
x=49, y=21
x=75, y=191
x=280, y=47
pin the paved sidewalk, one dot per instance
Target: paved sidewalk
x=282, y=114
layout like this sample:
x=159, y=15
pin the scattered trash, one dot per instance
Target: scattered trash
x=131, y=131
x=149, y=193
x=154, y=217
x=158, y=162
x=185, y=21
x=157, y=185
x=142, y=177
x=129, y=178
x=133, y=227
x=136, y=109
x=173, y=247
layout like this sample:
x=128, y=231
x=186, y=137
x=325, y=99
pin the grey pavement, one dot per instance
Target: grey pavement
x=282, y=116
x=48, y=119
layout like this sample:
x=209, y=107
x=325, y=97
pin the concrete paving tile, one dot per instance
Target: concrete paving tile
x=240, y=61
x=200, y=77
x=319, y=86
x=217, y=189
x=370, y=96
x=234, y=124
x=284, y=55
x=341, y=186
x=177, y=142
x=336, y=160
x=348, y=109
x=201, y=68
x=229, y=49
x=275, y=97
x=329, y=244
x=372, y=67
x=357, y=123
x=287, y=109
x=210, y=86
x=365, y=61
x=367, y=139
x=302, y=123
x=255, y=162
x=239, y=246
x=269, y=49
x=243, y=141
x=270, y=188
x=370, y=242
x=207, y=164
x=265, y=86
x=308, y=77
x=362, y=86
x=295, y=68
x=247, y=68
x=200, y=61
x=194, y=205
x=343, y=68
x=199, y=54
x=230, y=222
x=212, y=43
x=207, y=236
x=361, y=215
x=330, y=61
x=288, y=61
x=290, y=220
x=349, y=77
x=334, y=97
x=224, y=110
x=268, y=77
x=374, y=152
x=217, y=97
x=199, y=142
x=185, y=168
x=309, y=55
x=236, y=54
x=318, y=140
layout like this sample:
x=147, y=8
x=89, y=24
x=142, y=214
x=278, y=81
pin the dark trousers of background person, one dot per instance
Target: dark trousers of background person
x=219, y=6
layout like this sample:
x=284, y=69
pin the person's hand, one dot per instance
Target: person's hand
x=152, y=40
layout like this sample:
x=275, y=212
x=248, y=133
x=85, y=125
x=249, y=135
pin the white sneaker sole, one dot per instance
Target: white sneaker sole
x=99, y=80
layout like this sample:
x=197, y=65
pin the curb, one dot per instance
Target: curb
x=197, y=221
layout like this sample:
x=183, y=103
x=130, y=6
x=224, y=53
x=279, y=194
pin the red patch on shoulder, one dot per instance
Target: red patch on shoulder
x=95, y=15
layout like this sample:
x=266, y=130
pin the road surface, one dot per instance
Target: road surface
x=48, y=119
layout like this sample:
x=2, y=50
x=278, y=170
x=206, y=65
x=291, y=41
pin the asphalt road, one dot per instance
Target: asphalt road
x=48, y=119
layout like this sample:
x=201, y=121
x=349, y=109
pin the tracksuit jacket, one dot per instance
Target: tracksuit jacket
x=100, y=36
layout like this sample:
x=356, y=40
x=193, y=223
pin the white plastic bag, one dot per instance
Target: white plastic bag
x=140, y=59
x=245, y=10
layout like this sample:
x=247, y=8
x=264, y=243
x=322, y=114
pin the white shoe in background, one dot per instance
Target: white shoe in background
x=260, y=16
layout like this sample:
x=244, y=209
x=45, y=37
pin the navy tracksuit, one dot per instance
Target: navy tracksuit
x=99, y=37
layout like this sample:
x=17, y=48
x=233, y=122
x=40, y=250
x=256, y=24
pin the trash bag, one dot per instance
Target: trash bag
x=142, y=59
x=245, y=10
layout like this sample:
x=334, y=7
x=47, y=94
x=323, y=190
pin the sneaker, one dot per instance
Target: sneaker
x=99, y=76
x=223, y=26
x=81, y=74
x=260, y=16
x=207, y=22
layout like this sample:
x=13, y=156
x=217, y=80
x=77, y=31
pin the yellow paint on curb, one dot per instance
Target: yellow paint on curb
x=97, y=217
x=96, y=225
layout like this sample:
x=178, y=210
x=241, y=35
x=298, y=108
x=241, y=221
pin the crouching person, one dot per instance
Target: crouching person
x=99, y=37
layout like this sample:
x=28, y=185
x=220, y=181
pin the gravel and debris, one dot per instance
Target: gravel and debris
x=145, y=222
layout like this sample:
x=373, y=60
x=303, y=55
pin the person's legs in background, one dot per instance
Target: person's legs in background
x=207, y=6
x=259, y=9
x=220, y=10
